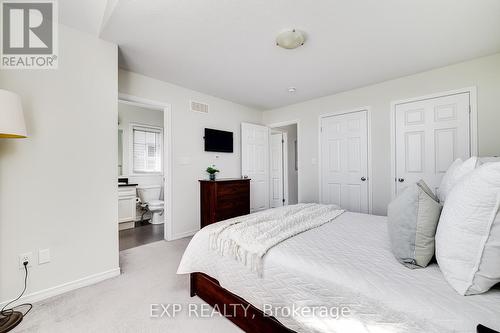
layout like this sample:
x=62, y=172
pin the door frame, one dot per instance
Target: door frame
x=287, y=123
x=368, y=145
x=284, y=156
x=167, y=152
x=473, y=138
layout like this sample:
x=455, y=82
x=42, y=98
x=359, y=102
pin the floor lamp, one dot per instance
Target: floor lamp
x=11, y=126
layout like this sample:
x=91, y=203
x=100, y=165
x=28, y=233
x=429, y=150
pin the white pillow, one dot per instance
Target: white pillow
x=468, y=233
x=412, y=218
x=455, y=172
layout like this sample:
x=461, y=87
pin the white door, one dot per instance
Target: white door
x=430, y=135
x=255, y=163
x=277, y=197
x=344, y=161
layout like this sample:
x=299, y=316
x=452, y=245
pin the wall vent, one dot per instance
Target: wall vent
x=199, y=107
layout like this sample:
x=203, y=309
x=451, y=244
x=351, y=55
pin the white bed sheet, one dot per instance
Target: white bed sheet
x=347, y=262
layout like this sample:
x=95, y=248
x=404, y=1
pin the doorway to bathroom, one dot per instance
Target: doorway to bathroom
x=143, y=171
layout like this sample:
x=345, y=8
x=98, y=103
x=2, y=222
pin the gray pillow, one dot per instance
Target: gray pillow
x=412, y=221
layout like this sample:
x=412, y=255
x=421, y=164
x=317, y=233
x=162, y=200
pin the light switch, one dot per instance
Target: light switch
x=313, y=161
x=43, y=256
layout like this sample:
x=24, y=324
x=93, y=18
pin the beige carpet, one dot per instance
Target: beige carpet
x=122, y=304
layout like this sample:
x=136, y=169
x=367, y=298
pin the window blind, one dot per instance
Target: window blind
x=147, y=150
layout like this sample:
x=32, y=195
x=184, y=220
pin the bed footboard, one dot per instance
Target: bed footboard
x=251, y=320
x=240, y=312
x=484, y=329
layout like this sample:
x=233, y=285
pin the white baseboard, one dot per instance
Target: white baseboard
x=184, y=234
x=65, y=287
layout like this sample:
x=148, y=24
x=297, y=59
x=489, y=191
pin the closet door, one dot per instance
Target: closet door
x=430, y=135
x=344, y=161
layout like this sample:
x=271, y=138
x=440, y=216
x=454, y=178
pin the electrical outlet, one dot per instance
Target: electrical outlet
x=43, y=256
x=28, y=256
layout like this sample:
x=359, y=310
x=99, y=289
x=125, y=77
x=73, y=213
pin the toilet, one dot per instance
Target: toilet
x=150, y=197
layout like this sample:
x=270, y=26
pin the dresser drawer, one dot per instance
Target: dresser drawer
x=231, y=208
x=223, y=200
x=232, y=190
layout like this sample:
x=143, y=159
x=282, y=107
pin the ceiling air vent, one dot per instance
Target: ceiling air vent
x=199, y=107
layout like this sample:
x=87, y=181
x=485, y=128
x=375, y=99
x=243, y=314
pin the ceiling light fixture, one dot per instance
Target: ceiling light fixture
x=292, y=90
x=290, y=39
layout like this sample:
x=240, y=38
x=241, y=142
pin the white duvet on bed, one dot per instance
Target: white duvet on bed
x=347, y=263
x=247, y=238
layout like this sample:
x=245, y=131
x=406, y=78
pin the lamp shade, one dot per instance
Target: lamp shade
x=11, y=116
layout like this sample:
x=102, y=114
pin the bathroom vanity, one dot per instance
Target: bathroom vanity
x=126, y=204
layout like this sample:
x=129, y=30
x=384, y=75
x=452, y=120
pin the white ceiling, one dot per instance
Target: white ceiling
x=226, y=47
x=82, y=15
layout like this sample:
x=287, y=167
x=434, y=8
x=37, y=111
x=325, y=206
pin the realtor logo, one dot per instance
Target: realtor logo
x=29, y=34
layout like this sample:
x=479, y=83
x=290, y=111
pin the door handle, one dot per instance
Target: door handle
x=401, y=180
x=363, y=179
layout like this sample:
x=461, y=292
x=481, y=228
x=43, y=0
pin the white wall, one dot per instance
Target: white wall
x=484, y=73
x=128, y=114
x=189, y=158
x=291, y=131
x=58, y=187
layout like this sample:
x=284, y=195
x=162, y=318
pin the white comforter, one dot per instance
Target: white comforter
x=247, y=238
x=347, y=262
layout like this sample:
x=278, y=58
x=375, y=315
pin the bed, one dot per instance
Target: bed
x=343, y=264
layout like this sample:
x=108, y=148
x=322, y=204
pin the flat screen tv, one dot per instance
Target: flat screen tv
x=218, y=141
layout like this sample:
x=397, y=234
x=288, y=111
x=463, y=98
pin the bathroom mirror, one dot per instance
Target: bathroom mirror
x=120, y=152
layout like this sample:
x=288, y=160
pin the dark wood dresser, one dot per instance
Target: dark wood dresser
x=222, y=199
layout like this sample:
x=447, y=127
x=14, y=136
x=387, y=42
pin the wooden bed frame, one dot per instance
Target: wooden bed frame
x=484, y=329
x=240, y=312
